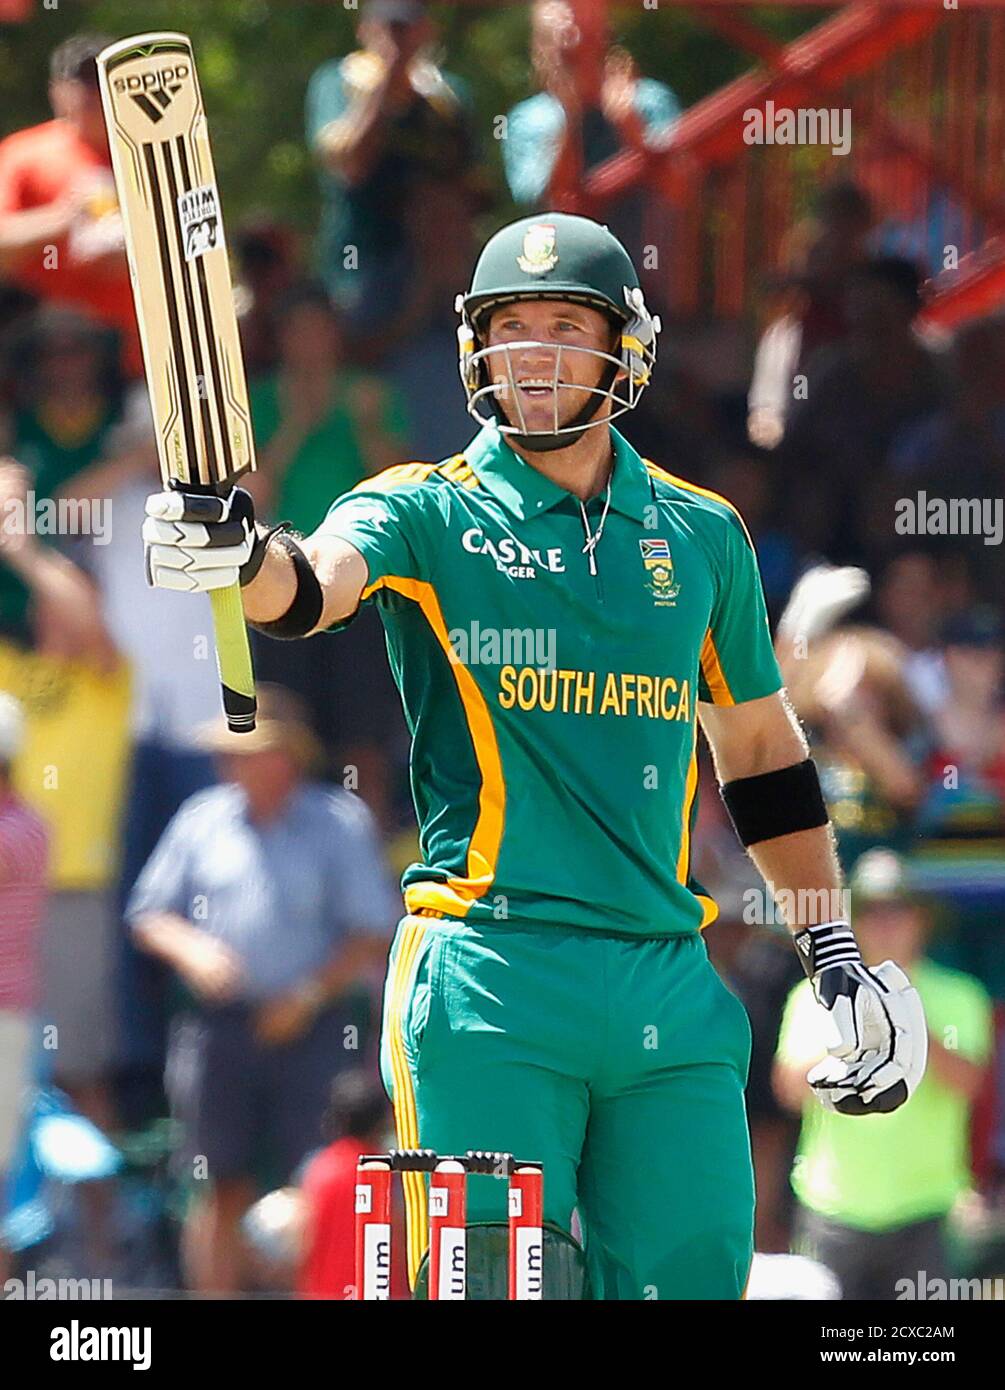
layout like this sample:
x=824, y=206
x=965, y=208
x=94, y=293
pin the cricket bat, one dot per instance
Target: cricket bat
x=184, y=298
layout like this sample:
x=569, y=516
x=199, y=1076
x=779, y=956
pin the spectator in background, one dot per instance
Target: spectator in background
x=961, y=818
x=754, y=956
x=266, y=265
x=75, y=691
x=763, y=974
x=583, y=114
x=861, y=392
x=847, y=685
x=55, y=607
x=23, y=862
x=970, y=731
x=174, y=690
x=357, y=1122
x=874, y=1197
x=394, y=138
x=378, y=121
x=268, y=898
x=742, y=472
x=839, y=246
x=64, y=411
x=810, y=310
x=322, y=427
x=959, y=450
x=914, y=597
x=964, y=441
x=60, y=229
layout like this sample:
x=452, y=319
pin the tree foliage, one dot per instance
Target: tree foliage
x=255, y=59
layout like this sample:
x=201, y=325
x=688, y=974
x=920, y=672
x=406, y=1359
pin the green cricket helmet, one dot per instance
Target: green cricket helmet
x=555, y=256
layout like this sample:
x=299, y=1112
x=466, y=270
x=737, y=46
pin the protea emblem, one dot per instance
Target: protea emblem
x=539, y=254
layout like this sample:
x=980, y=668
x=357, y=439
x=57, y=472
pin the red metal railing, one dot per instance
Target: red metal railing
x=925, y=89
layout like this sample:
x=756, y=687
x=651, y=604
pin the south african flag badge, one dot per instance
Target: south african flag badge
x=659, y=572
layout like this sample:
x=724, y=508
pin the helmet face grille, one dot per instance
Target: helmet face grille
x=627, y=371
x=489, y=378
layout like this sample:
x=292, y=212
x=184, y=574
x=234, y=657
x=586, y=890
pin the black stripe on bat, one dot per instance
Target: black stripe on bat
x=207, y=309
x=177, y=343
x=204, y=408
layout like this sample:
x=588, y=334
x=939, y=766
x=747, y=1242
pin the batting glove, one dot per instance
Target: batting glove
x=880, y=1039
x=195, y=542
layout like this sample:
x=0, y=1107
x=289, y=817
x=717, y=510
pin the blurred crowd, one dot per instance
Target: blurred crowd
x=199, y=922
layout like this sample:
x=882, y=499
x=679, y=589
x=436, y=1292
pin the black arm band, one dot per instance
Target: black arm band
x=775, y=803
x=304, y=612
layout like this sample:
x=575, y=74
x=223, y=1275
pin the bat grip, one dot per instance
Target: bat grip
x=233, y=655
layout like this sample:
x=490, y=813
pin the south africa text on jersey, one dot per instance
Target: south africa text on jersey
x=625, y=694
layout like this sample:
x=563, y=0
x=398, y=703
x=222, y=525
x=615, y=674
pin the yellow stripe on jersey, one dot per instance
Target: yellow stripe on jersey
x=656, y=472
x=690, y=787
x=711, y=666
x=406, y=1119
x=455, y=895
x=711, y=669
x=396, y=476
x=458, y=470
x=709, y=907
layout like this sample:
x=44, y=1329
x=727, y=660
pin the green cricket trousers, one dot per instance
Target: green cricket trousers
x=619, y=1061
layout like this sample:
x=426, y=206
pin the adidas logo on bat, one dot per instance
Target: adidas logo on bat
x=154, y=91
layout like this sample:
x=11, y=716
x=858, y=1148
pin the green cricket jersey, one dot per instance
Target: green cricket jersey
x=551, y=700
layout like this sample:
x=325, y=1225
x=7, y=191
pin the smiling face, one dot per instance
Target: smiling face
x=543, y=376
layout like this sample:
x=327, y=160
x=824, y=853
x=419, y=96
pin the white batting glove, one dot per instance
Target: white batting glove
x=195, y=542
x=879, y=1042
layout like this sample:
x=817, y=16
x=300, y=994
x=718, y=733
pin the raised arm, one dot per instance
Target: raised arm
x=338, y=567
x=292, y=586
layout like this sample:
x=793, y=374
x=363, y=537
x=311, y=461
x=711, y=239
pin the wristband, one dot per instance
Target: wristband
x=830, y=943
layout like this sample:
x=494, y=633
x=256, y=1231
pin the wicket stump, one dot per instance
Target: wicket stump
x=447, y=1223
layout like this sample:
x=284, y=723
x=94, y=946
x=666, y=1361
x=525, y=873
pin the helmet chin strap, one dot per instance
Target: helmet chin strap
x=572, y=432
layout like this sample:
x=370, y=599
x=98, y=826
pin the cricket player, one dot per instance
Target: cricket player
x=561, y=615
